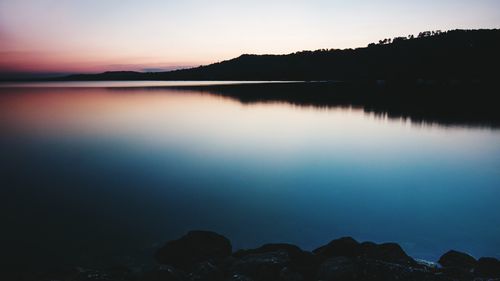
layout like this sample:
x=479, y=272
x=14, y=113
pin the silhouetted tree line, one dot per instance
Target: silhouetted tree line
x=409, y=37
x=431, y=55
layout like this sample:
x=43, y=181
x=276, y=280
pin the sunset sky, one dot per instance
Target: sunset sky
x=68, y=36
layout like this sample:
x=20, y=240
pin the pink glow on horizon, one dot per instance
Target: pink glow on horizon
x=35, y=62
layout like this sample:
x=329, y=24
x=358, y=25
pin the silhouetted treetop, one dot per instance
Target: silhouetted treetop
x=431, y=55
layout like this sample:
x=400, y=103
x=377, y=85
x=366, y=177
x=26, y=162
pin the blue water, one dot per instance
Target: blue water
x=89, y=173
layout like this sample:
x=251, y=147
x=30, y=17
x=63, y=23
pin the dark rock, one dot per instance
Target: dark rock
x=361, y=269
x=287, y=274
x=104, y=275
x=74, y=274
x=206, y=256
x=292, y=250
x=337, y=268
x=457, y=259
x=388, y=252
x=348, y=247
x=366, y=246
x=239, y=277
x=302, y=263
x=306, y=265
x=457, y=265
x=298, y=257
x=164, y=273
x=457, y=273
x=193, y=248
x=343, y=247
x=206, y=271
x=62, y=273
x=488, y=267
x=261, y=266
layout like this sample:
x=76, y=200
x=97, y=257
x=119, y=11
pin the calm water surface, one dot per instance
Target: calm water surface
x=89, y=173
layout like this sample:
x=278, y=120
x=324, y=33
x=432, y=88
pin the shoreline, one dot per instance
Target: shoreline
x=205, y=255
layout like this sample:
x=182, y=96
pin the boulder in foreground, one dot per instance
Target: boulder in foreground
x=207, y=256
x=457, y=259
x=193, y=248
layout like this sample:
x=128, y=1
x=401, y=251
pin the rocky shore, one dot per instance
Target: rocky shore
x=203, y=255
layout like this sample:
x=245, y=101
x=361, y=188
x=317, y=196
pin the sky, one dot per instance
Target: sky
x=89, y=36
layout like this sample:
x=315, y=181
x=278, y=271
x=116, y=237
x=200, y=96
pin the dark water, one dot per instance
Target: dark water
x=99, y=175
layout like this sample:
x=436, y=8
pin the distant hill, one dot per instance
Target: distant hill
x=452, y=55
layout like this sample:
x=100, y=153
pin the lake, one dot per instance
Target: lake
x=96, y=173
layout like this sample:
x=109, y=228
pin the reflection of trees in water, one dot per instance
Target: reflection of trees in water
x=460, y=105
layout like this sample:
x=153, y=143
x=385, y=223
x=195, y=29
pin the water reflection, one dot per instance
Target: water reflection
x=471, y=105
x=85, y=166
